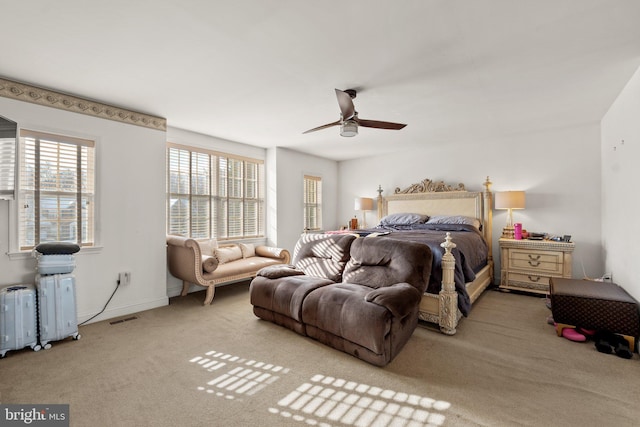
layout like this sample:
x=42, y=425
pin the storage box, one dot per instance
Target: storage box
x=603, y=306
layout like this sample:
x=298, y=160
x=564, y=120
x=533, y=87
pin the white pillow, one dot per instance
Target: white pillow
x=248, y=250
x=228, y=253
x=208, y=247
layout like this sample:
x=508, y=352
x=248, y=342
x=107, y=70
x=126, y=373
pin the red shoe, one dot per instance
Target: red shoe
x=573, y=335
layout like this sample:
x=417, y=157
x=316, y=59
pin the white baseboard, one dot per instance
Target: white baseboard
x=124, y=310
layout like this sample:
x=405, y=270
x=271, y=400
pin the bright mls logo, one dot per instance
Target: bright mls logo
x=35, y=415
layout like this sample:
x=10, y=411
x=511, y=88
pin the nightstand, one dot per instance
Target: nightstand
x=527, y=265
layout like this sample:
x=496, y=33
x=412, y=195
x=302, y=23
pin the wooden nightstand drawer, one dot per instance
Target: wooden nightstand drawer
x=527, y=265
x=545, y=262
x=531, y=282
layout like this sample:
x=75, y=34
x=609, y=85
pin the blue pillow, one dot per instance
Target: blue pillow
x=403, y=219
x=454, y=219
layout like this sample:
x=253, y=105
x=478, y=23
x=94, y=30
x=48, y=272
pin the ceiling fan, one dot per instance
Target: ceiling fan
x=349, y=120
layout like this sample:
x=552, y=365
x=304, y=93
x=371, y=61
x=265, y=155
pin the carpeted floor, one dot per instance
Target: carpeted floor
x=190, y=365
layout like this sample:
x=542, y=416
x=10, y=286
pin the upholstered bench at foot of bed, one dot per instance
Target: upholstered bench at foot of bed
x=601, y=306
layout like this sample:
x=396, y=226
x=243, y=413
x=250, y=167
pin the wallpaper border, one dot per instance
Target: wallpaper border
x=50, y=98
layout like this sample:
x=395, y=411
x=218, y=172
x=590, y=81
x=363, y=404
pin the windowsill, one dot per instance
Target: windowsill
x=83, y=251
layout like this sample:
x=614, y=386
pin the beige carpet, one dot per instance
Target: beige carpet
x=189, y=365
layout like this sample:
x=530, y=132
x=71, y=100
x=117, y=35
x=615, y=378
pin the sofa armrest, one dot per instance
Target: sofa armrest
x=276, y=253
x=279, y=271
x=399, y=299
x=184, y=259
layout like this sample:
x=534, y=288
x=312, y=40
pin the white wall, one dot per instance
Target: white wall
x=130, y=209
x=559, y=170
x=620, y=177
x=288, y=167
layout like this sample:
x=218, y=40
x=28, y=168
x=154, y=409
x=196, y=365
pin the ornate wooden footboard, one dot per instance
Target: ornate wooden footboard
x=436, y=198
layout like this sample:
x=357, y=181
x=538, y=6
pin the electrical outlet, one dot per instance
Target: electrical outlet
x=124, y=278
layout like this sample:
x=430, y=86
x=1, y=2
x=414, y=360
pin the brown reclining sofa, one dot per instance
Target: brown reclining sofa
x=357, y=295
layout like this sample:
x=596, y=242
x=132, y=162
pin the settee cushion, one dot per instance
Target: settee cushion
x=323, y=255
x=229, y=253
x=208, y=246
x=248, y=250
x=209, y=263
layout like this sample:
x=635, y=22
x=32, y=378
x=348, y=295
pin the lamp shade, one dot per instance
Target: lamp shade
x=363, y=204
x=510, y=200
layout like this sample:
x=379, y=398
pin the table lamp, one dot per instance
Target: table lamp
x=509, y=200
x=364, y=204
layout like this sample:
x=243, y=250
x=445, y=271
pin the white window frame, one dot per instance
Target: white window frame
x=312, y=202
x=220, y=191
x=89, y=190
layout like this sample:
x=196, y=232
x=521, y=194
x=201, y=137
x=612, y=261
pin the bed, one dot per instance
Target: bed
x=461, y=274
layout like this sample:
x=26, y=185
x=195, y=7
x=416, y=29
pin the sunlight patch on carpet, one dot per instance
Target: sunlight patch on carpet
x=328, y=401
x=238, y=376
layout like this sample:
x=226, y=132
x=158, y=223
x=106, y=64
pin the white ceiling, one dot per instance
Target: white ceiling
x=263, y=71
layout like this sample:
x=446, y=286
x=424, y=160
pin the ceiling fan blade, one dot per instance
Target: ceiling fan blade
x=378, y=124
x=346, y=104
x=328, y=125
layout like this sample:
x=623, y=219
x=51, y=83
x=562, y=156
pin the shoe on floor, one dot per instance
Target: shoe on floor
x=573, y=335
x=603, y=346
x=550, y=320
x=621, y=347
x=586, y=332
x=604, y=341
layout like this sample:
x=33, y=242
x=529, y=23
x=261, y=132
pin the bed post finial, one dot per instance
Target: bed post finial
x=487, y=185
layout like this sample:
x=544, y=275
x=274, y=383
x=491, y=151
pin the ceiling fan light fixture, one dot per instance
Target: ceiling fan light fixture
x=349, y=128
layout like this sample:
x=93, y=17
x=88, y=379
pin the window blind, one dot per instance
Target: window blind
x=57, y=189
x=213, y=194
x=8, y=138
x=312, y=200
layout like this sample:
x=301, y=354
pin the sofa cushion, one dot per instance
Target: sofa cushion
x=227, y=254
x=209, y=263
x=208, y=246
x=380, y=261
x=342, y=311
x=284, y=295
x=323, y=255
x=248, y=250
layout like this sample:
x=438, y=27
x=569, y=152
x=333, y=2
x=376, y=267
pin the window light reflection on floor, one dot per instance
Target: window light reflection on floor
x=323, y=401
x=327, y=401
x=243, y=377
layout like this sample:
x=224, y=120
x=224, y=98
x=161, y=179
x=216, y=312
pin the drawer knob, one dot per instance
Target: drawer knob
x=534, y=279
x=534, y=258
x=534, y=263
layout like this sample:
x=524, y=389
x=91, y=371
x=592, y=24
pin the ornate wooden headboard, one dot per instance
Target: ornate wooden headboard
x=437, y=198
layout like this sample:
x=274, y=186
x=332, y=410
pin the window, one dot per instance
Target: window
x=312, y=202
x=8, y=133
x=56, y=189
x=213, y=194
